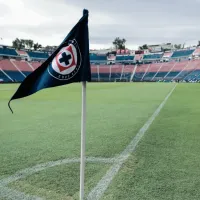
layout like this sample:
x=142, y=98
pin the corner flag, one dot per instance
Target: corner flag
x=69, y=63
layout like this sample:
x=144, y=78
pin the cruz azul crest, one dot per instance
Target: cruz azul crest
x=67, y=62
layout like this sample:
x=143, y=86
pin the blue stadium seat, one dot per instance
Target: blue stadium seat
x=37, y=55
x=149, y=76
x=115, y=76
x=161, y=74
x=26, y=73
x=94, y=77
x=152, y=56
x=183, y=74
x=195, y=75
x=126, y=75
x=138, y=76
x=182, y=53
x=4, y=77
x=94, y=58
x=15, y=75
x=104, y=77
x=172, y=74
x=125, y=58
x=8, y=52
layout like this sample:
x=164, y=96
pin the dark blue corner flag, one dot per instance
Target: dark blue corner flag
x=69, y=63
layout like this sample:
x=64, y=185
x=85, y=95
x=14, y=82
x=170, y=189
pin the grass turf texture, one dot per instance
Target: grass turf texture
x=166, y=162
x=46, y=127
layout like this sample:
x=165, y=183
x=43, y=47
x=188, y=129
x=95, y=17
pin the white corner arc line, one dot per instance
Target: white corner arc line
x=12, y=194
x=98, y=191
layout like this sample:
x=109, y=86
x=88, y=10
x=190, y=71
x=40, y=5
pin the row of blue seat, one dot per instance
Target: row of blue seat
x=12, y=52
x=182, y=53
x=8, y=51
x=14, y=75
x=152, y=56
x=39, y=55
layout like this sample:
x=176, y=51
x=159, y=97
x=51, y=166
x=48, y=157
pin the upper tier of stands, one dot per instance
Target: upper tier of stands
x=94, y=58
x=182, y=53
x=152, y=56
x=124, y=58
x=37, y=55
x=4, y=51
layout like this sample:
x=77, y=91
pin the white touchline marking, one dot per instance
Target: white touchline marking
x=97, y=192
x=12, y=194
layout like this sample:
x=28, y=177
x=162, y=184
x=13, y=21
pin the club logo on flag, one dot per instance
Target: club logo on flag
x=67, y=62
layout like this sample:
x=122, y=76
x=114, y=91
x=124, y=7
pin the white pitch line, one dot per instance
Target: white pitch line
x=12, y=194
x=98, y=191
x=37, y=168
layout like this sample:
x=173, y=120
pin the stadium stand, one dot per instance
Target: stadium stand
x=138, y=57
x=98, y=59
x=116, y=72
x=8, y=68
x=124, y=59
x=152, y=71
x=178, y=68
x=127, y=73
x=196, y=52
x=35, y=64
x=182, y=53
x=193, y=72
x=182, y=65
x=4, y=51
x=23, y=66
x=166, y=56
x=164, y=70
x=95, y=73
x=140, y=72
x=21, y=52
x=4, y=78
x=190, y=66
x=104, y=73
x=149, y=57
x=37, y=55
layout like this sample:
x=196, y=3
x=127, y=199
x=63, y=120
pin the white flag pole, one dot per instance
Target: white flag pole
x=83, y=125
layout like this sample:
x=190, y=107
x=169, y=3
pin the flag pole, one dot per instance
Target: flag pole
x=83, y=125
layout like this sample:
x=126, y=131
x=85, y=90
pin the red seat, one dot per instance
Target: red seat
x=104, y=69
x=7, y=65
x=23, y=65
x=36, y=64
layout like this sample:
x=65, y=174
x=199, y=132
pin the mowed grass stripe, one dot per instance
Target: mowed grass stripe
x=166, y=163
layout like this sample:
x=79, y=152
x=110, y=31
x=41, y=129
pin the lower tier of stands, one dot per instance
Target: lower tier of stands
x=16, y=71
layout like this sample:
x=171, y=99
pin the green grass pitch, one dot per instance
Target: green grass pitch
x=46, y=127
